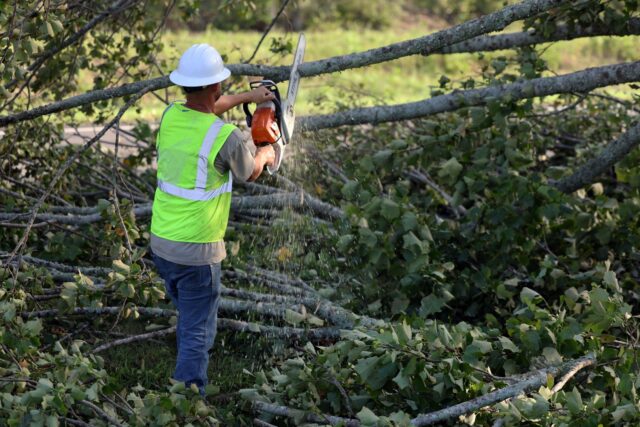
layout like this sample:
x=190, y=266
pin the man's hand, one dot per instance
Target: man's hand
x=265, y=156
x=259, y=94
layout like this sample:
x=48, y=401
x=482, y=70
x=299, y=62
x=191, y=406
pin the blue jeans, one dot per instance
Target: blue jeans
x=195, y=291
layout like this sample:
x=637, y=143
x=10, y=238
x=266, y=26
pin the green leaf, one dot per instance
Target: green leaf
x=350, y=190
x=409, y=221
x=412, y=243
x=367, y=417
x=529, y=296
x=574, y=401
x=381, y=375
x=389, y=209
x=345, y=241
x=33, y=327
x=120, y=266
x=366, y=367
x=293, y=317
x=431, y=304
x=611, y=281
x=482, y=346
x=402, y=380
x=624, y=411
x=552, y=355
x=382, y=157
x=368, y=238
x=404, y=332
x=507, y=344
x=478, y=116
x=103, y=205
x=211, y=390
x=539, y=408
x=47, y=29
x=450, y=169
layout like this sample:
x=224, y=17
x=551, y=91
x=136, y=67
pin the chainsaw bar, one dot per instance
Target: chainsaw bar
x=289, y=115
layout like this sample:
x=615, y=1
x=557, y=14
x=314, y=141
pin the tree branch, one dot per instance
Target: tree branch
x=117, y=7
x=424, y=178
x=101, y=413
x=531, y=381
x=612, y=153
x=280, y=200
x=34, y=211
x=135, y=338
x=520, y=39
x=580, y=81
x=266, y=31
x=427, y=44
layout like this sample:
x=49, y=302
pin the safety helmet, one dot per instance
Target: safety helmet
x=200, y=65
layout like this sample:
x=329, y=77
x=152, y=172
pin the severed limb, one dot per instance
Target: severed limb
x=528, y=382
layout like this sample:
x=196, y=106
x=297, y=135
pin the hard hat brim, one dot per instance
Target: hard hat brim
x=185, y=81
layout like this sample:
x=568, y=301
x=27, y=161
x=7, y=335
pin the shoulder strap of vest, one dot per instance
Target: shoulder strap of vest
x=205, y=149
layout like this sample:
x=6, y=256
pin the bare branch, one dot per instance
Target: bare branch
x=87, y=98
x=65, y=166
x=580, y=81
x=612, y=153
x=427, y=44
x=330, y=333
x=272, y=201
x=284, y=411
x=530, y=382
x=424, y=178
x=266, y=31
x=135, y=338
x=95, y=408
x=431, y=43
x=577, y=367
x=520, y=39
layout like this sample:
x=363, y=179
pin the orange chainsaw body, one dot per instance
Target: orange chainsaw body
x=264, y=125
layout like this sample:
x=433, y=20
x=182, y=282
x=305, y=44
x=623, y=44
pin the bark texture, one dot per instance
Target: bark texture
x=427, y=44
x=580, y=81
x=613, y=153
x=520, y=39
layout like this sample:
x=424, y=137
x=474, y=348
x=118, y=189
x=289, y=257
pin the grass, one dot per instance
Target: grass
x=404, y=80
x=151, y=363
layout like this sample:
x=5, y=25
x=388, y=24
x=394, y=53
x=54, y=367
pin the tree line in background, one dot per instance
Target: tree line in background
x=311, y=15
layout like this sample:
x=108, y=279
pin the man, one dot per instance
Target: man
x=198, y=158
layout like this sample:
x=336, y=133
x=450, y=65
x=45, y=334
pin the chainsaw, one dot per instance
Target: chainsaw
x=273, y=121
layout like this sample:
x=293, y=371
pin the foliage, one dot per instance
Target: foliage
x=454, y=236
x=386, y=377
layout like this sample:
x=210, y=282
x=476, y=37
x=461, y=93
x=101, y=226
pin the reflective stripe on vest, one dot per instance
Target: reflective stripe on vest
x=200, y=193
x=196, y=193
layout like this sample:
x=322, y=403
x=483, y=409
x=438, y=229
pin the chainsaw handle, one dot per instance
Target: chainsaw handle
x=269, y=84
x=248, y=115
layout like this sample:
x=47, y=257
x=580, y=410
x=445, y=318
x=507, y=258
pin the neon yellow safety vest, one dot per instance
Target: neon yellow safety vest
x=193, y=199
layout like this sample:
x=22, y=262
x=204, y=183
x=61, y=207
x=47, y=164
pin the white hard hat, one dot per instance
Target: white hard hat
x=200, y=65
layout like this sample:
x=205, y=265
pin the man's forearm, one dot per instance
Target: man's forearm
x=227, y=102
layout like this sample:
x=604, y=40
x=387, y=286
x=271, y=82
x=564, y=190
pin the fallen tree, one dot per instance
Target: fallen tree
x=431, y=43
x=588, y=173
x=578, y=82
x=437, y=219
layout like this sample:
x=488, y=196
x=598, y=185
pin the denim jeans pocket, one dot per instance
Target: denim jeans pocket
x=216, y=276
